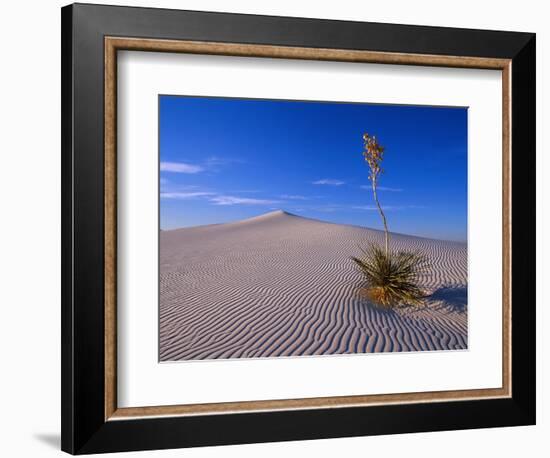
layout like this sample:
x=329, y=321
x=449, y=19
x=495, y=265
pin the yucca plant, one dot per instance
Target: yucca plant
x=391, y=277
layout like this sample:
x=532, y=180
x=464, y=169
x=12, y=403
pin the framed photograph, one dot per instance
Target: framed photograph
x=281, y=228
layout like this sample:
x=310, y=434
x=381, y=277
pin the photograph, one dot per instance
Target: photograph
x=310, y=228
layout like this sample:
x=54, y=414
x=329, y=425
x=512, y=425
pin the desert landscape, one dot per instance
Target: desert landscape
x=284, y=285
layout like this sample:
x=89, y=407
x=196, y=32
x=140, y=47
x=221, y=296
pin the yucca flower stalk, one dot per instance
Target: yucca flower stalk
x=373, y=153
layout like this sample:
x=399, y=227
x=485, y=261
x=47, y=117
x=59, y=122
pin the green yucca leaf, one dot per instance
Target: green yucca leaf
x=392, y=278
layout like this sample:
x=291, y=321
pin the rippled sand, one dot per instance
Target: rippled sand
x=283, y=285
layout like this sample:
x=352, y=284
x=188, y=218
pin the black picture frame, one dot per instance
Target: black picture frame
x=84, y=428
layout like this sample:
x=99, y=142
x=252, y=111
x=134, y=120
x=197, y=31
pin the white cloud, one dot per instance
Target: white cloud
x=329, y=182
x=184, y=195
x=293, y=197
x=180, y=167
x=381, y=188
x=384, y=188
x=231, y=200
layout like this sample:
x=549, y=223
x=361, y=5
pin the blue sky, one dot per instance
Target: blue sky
x=225, y=159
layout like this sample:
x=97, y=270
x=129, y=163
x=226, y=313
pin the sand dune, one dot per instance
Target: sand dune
x=283, y=285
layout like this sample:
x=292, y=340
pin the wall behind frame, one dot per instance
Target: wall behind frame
x=30, y=229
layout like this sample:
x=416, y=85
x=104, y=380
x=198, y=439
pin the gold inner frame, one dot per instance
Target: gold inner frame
x=114, y=44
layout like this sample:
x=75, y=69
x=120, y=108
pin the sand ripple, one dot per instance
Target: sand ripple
x=282, y=285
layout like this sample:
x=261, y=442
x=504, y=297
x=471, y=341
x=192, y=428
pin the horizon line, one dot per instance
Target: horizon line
x=285, y=212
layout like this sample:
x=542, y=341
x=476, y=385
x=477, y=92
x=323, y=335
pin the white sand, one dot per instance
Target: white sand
x=283, y=285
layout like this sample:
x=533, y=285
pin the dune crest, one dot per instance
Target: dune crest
x=282, y=285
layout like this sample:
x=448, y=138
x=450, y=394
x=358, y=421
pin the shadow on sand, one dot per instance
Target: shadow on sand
x=454, y=297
